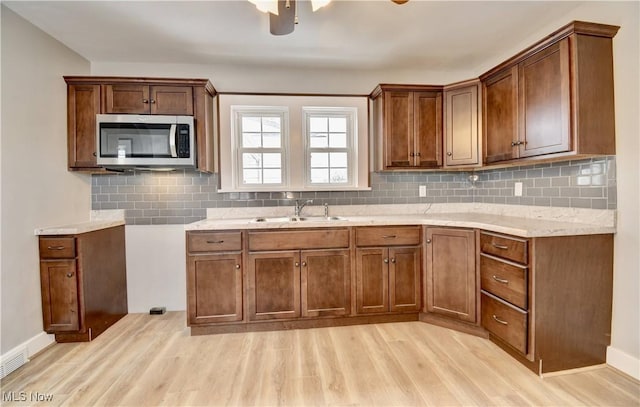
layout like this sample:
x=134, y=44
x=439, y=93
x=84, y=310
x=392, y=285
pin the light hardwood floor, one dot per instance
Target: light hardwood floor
x=148, y=360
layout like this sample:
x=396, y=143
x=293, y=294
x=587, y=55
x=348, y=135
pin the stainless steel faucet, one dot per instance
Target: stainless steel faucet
x=301, y=204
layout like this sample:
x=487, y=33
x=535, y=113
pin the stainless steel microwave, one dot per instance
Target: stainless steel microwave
x=126, y=141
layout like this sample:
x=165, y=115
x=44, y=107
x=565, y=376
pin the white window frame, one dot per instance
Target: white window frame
x=237, y=112
x=351, y=114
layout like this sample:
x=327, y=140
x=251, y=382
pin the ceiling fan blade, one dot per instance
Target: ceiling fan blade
x=284, y=22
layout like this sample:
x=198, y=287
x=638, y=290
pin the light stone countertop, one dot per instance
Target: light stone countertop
x=508, y=219
x=99, y=220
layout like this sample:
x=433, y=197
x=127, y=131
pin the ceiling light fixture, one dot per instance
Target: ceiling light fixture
x=283, y=14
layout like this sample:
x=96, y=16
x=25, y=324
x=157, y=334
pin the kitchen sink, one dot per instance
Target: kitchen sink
x=299, y=219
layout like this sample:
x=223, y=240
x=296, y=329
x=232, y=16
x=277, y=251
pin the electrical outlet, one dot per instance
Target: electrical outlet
x=422, y=191
x=517, y=191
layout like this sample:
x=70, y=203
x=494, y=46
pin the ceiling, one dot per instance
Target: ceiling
x=380, y=35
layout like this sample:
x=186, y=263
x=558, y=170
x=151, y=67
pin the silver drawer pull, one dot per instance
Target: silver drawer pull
x=56, y=247
x=499, y=246
x=500, y=280
x=389, y=237
x=498, y=320
x=215, y=241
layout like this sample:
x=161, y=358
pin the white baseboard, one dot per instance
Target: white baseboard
x=623, y=362
x=20, y=355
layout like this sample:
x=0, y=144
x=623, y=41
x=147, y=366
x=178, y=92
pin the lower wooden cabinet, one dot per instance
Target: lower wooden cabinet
x=293, y=284
x=451, y=278
x=83, y=283
x=214, y=287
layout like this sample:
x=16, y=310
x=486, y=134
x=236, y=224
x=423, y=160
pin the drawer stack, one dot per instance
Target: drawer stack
x=504, y=271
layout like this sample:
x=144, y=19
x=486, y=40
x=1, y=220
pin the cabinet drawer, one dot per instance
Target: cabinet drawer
x=388, y=236
x=507, y=281
x=214, y=241
x=505, y=321
x=57, y=247
x=299, y=239
x=509, y=248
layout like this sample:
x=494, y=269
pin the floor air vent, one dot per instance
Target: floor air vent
x=12, y=362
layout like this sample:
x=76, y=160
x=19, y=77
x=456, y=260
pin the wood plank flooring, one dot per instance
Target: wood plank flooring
x=148, y=360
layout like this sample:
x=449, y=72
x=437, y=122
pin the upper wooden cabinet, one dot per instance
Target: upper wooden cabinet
x=408, y=126
x=90, y=95
x=143, y=99
x=462, y=124
x=554, y=99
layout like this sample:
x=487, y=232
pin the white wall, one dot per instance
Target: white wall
x=36, y=188
x=625, y=348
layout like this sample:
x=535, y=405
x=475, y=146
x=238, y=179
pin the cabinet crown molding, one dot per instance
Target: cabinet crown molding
x=104, y=80
x=403, y=88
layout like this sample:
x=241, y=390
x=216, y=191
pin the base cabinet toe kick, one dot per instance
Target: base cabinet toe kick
x=544, y=300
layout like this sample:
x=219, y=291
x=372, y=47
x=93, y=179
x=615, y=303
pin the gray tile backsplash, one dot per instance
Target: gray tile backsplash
x=182, y=196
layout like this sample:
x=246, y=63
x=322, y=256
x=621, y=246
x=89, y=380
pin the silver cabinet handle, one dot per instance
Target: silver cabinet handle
x=499, y=246
x=153, y=101
x=386, y=261
x=304, y=264
x=389, y=237
x=393, y=260
x=412, y=154
x=417, y=154
x=500, y=280
x=449, y=153
x=498, y=320
x=215, y=241
x=514, y=143
x=428, y=240
x=55, y=247
x=69, y=275
x=237, y=267
x=297, y=264
x=145, y=101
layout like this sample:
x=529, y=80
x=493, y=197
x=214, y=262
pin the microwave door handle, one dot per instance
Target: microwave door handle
x=172, y=140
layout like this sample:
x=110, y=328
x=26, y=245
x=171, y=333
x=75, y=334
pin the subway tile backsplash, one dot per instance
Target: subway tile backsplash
x=183, y=196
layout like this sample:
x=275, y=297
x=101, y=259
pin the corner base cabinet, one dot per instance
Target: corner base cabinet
x=83, y=283
x=547, y=300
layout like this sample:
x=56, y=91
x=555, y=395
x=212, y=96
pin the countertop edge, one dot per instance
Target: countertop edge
x=78, y=228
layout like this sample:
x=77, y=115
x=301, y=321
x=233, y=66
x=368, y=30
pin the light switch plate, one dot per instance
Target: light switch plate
x=422, y=191
x=517, y=191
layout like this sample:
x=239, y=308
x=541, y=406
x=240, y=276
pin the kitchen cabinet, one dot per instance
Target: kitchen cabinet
x=144, y=99
x=83, y=283
x=547, y=300
x=388, y=269
x=299, y=273
x=408, y=126
x=89, y=95
x=554, y=99
x=462, y=124
x=214, y=277
x=452, y=286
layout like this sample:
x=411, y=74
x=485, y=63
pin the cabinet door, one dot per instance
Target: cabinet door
x=173, y=100
x=214, y=288
x=544, y=102
x=451, y=273
x=129, y=99
x=83, y=103
x=325, y=283
x=398, y=129
x=59, y=287
x=500, y=111
x=461, y=126
x=404, y=279
x=427, y=115
x=274, y=285
x=372, y=280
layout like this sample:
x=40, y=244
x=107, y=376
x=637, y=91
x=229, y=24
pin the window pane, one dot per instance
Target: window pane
x=271, y=124
x=338, y=124
x=338, y=160
x=338, y=140
x=271, y=160
x=272, y=176
x=318, y=140
x=318, y=125
x=250, y=124
x=319, y=160
x=251, y=140
x=251, y=176
x=319, y=175
x=338, y=175
x=271, y=140
x=251, y=160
